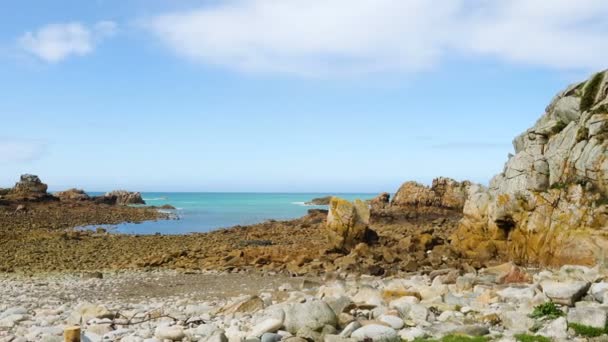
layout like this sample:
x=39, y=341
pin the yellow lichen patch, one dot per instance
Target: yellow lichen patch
x=391, y=294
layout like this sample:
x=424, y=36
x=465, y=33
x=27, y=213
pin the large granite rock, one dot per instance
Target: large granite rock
x=444, y=193
x=380, y=202
x=29, y=187
x=347, y=223
x=548, y=206
x=123, y=197
x=72, y=195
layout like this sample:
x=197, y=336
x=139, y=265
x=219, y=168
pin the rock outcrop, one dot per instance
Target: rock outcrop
x=380, y=202
x=125, y=197
x=29, y=187
x=549, y=205
x=443, y=193
x=72, y=195
x=347, y=223
x=320, y=201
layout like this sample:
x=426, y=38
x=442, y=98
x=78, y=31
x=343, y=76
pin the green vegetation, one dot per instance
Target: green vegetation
x=590, y=91
x=455, y=338
x=547, y=310
x=587, y=331
x=582, y=134
x=602, y=109
x=559, y=186
x=559, y=126
x=531, y=338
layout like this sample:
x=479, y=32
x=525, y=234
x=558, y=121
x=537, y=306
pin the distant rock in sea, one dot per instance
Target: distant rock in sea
x=319, y=201
x=549, y=205
x=123, y=197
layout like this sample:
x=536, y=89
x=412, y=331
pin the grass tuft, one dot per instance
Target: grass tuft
x=547, y=310
x=585, y=330
x=590, y=91
x=531, y=338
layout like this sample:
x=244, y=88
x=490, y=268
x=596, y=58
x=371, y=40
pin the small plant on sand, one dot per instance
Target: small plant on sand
x=531, y=338
x=547, y=310
x=585, y=330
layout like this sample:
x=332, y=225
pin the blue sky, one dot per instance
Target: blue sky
x=290, y=95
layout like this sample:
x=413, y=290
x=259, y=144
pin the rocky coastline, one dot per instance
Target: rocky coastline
x=520, y=260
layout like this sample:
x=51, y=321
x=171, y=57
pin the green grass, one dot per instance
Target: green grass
x=590, y=91
x=587, y=331
x=455, y=338
x=531, y=338
x=547, y=310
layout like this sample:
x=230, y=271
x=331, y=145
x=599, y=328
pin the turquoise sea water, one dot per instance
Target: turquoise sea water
x=203, y=212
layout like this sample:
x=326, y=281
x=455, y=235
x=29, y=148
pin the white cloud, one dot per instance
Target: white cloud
x=560, y=34
x=56, y=42
x=320, y=37
x=20, y=150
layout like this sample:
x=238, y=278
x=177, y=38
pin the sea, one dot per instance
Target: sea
x=207, y=211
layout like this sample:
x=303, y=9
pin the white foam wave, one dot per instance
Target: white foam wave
x=306, y=204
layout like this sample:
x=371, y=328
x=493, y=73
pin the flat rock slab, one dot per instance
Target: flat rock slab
x=592, y=317
x=565, y=293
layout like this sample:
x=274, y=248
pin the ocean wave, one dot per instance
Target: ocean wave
x=307, y=204
x=155, y=199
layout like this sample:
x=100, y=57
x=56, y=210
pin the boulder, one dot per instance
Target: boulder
x=549, y=205
x=72, y=195
x=320, y=201
x=444, y=193
x=171, y=333
x=347, y=223
x=376, y=333
x=380, y=202
x=312, y=315
x=588, y=316
x=566, y=293
x=270, y=325
x=29, y=187
x=84, y=312
x=125, y=197
x=556, y=329
x=246, y=304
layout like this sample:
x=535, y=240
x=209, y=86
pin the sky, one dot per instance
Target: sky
x=280, y=95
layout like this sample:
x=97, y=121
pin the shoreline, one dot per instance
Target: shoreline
x=493, y=304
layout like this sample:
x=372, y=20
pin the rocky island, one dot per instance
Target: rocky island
x=520, y=260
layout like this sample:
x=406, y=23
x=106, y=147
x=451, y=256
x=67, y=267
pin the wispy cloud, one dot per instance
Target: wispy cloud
x=56, y=42
x=21, y=150
x=320, y=37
